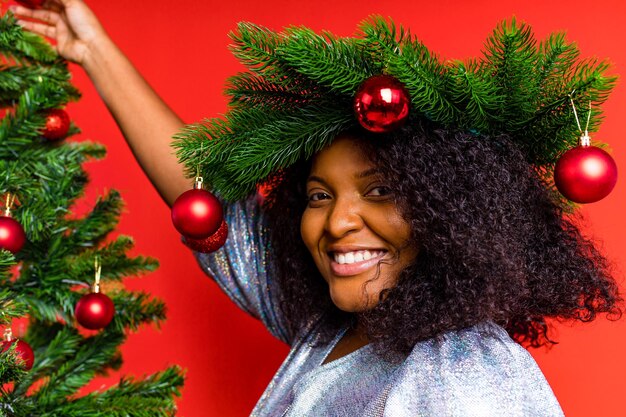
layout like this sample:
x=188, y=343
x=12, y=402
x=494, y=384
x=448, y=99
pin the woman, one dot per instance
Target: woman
x=392, y=264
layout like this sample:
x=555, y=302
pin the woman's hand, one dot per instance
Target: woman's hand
x=70, y=23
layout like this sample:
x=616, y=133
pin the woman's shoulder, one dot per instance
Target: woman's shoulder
x=485, y=344
x=478, y=370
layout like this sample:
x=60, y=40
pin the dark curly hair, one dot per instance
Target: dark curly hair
x=494, y=244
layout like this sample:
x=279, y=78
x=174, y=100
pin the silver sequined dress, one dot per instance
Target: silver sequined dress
x=478, y=371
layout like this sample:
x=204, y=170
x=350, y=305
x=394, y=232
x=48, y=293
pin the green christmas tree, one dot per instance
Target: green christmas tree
x=43, y=282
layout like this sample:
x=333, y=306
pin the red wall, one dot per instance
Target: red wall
x=180, y=47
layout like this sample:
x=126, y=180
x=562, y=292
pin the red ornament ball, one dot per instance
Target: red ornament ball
x=381, y=103
x=211, y=243
x=94, y=311
x=57, y=124
x=23, y=351
x=585, y=174
x=32, y=4
x=197, y=214
x=12, y=236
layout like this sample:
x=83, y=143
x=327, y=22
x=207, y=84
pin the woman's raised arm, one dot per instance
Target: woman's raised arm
x=145, y=120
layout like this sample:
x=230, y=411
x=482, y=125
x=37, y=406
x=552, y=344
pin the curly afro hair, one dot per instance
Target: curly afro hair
x=494, y=244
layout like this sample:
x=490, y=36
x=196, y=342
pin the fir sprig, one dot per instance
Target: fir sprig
x=327, y=60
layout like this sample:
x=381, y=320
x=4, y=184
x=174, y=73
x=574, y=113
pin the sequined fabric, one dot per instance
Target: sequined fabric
x=478, y=371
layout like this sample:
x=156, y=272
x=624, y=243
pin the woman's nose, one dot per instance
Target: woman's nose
x=344, y=218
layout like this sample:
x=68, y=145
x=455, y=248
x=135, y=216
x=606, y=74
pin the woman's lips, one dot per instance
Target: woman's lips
x=346, y=270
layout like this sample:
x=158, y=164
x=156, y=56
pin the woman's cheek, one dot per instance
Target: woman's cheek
x=308, y=231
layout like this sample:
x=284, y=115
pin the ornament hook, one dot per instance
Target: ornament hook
x=9, y=204
x=585, y=139
x=198, y=180
x=8, y=335
x=98, y=273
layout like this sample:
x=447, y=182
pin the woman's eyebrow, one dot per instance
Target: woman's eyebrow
x=315, y=178
x=368, y=173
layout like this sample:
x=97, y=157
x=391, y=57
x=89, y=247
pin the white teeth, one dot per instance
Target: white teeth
x=358, y=256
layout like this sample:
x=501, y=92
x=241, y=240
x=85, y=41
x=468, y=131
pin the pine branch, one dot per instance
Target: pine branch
x=555, y=59
x=28, y=119
x=478, y=98
x=281, y=143
x=552, y=129
x=329, y=61
x=94, y=353
x=54, y=344
x=251, y=90
x=21, y=44
x=208, y=144
x=255, y=48
x=14, y=80
x=136, y=308
x=511, y=62
x=149, y=397
x=90, y=231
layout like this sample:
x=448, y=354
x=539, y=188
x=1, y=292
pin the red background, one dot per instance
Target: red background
x=181, y=48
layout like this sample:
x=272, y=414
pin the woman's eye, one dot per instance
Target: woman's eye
x=379, y=191
x=318, y=196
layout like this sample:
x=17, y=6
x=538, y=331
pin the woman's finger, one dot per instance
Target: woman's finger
x=39, y=28
x=46, y=16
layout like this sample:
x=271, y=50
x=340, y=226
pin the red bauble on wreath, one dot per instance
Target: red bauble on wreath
x=211, y=243
x=22, y=349
x=57, y=124
x=12, y=235
x=586, y=173
x=381, y=103
x=197, y=214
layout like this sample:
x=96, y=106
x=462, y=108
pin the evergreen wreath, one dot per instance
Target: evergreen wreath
x=297, y=96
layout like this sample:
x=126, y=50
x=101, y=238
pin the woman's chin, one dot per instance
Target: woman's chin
x=349, y=304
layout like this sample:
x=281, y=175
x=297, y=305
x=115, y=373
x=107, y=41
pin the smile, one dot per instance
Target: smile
x=356, y=262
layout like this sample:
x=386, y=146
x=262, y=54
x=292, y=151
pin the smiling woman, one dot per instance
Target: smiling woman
x=352, y=227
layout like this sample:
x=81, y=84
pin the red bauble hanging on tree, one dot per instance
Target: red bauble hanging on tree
x=57, y=124
x=585, y=174
x=22, y=349
x=197, y=213
x=94, y=311
x=381, y=103
x=211, y=243
x=12, y=235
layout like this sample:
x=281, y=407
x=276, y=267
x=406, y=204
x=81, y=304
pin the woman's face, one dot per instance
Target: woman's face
x=352, y=227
